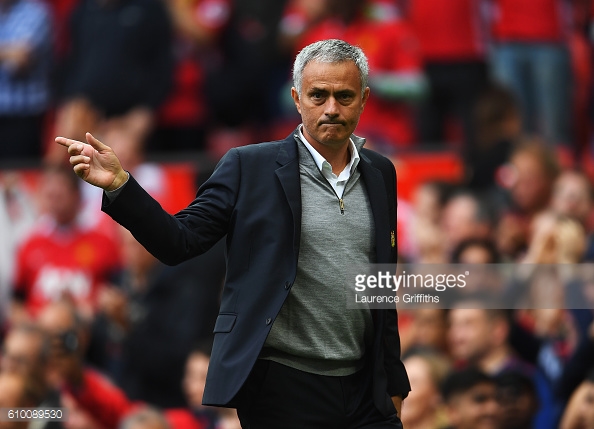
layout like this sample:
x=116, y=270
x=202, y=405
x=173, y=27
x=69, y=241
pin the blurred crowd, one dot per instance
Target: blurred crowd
x=90, y=321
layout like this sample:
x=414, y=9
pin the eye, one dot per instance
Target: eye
x=345, y=97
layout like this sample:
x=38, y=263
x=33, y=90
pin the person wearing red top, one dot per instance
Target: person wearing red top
x=531, y=57
x=453, y=47
x=396, y=70
x=62, y=257
x=83, y=388
x=182, y=119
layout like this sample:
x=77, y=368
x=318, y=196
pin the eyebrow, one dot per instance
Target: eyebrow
x=325, y=91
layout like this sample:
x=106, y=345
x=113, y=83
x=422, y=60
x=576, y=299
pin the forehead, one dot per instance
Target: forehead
x=465, y=314
x=344, y=74
x=20, y=340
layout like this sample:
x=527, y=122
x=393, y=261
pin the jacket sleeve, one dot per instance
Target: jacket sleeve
x=175, y=238
x=398, y=383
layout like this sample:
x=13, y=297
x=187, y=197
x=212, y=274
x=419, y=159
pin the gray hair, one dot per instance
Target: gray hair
x=330, y=51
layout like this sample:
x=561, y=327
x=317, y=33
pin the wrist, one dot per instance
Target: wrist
x=119, y=181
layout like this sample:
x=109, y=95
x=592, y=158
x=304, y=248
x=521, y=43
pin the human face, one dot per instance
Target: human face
x=195, y=379
x=330, y=103
x=11, y=392
x=423, y=398
x=21, y=353
x=469, y=333
x=475, y=409
x=531, y=190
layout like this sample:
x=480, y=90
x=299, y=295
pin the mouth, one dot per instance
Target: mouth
x=332, y=123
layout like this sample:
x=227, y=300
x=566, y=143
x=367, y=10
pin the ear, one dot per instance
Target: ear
x=296, y=100
x=365, y=97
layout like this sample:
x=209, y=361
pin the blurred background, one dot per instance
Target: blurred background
x=486, y=108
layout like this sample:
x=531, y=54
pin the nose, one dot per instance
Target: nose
x=331, y=109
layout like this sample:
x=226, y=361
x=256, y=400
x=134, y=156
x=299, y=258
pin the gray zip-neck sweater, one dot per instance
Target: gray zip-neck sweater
x=314, y=331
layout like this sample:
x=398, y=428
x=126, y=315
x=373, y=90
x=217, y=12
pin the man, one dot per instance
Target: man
x=480, y=337
x=25, y=353
x=17, y=391
x=63, y=256
x=471, y=400
x=296, y=213
x=25, y=60
x=518, y=400
x=135, y=37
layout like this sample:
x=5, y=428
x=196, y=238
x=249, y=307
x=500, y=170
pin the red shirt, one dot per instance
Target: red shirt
x=108, y=404
x=449, y=29
x=52, y=262
x=390, y=46
x=531, y=20
x=185, y=105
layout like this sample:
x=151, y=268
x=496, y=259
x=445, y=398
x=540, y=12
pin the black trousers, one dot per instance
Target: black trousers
x=276, y=396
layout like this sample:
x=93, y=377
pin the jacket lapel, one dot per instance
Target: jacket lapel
x=376, y=191
x=288, y=175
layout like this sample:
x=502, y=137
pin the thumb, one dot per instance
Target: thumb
x=96, y=144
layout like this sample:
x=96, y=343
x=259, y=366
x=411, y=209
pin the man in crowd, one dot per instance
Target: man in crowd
x=25, y=352
x=471, y=400
x=279, y=349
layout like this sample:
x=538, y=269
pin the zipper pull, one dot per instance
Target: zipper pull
x=341, y=203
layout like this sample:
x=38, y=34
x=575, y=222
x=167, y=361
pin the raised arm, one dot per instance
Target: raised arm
x=95, y=162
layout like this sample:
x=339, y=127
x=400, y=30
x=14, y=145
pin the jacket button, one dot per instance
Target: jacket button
x=268, y=321
x=287, y=285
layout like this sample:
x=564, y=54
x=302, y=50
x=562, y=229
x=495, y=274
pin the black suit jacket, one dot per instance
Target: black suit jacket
x=254, y=197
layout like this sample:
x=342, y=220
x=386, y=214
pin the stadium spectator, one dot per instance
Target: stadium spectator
x=428, y=243
x=517, y=399
x=579, y=413
x=25, y=352
x=62, y=257
x=475, y=251
x=528, y=177
x=119, y=102
x=17, y=391
x=531, y=57
x=464, y=216
x=25, y=56
x=470, y=396
x=149, y=319
x=480, y=337
x=572, y=196
x=193, y=384
x=182, y=119
x=91, y=394
x=555, y=240
x=17, y=215
x=497, y=130
x=424, y=408
x=427, y=329
x=453, y=47
x=396, y=76
x=244, y=79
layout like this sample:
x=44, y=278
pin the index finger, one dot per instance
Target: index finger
x=74, y=146
x=66, y=142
